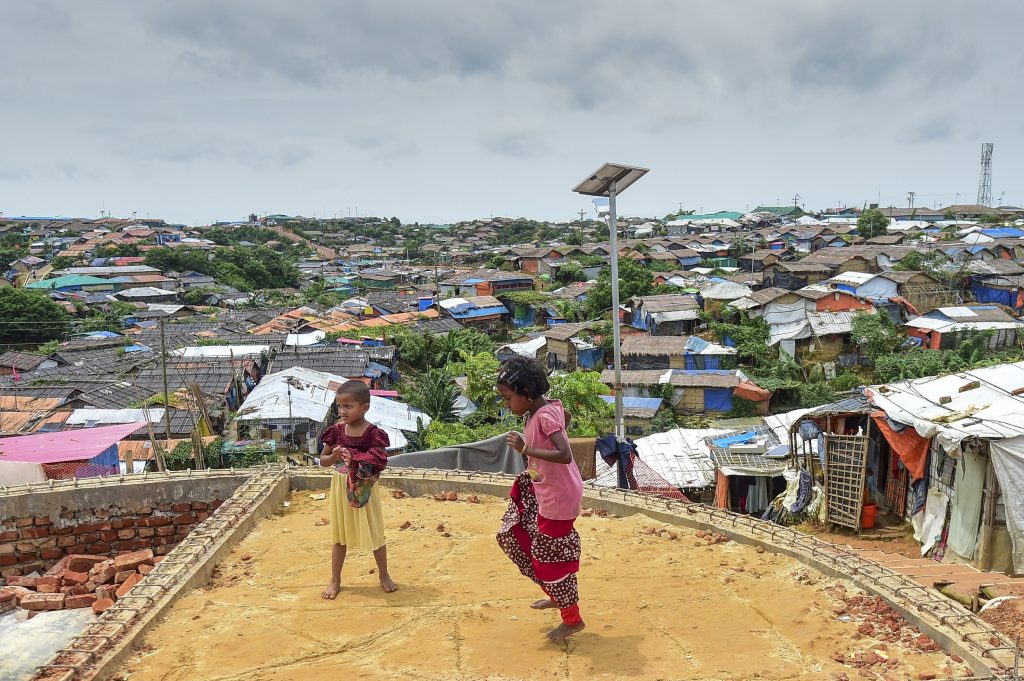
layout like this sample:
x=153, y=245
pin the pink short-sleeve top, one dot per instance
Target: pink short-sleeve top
x=558, y=486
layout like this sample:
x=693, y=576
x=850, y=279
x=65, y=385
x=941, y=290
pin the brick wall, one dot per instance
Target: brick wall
x=35, y=542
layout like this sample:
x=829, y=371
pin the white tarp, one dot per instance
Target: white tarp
x=220, y=351
x=394, y=417
x=990, y=411
x=304, y=339
x=309, y=396
x=527, y=348
x=20, y=473
x=674, y=315
x=106, y=417
x=726, y=290
x=929, y=522
x=1008, y=462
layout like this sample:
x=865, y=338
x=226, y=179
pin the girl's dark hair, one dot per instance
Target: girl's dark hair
x=525, y=376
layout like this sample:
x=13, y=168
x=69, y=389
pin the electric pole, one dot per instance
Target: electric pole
x=163, y=368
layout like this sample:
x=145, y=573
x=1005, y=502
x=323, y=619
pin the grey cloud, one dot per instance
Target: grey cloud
x=516, y=143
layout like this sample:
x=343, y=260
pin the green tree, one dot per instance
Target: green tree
x=570, y=272
x=580, y=393
x=875, y=334
x=663, y=421
x=872, y=222
x=634, y=280
x=480, y=370
x=432, y=392
x=30, y=317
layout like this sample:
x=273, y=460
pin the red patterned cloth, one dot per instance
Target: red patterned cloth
x=369, y=459
x=546, y=551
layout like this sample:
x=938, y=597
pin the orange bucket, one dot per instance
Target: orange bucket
x=867, y=516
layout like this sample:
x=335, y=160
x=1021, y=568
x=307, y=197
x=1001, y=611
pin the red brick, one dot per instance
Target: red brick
x=42, y=520
x=108, y=591
x=157, y=560
x=35, y=532
x=88, y=538
x=8, y=601
x=8, y=560
x=146, y=532
x=166, y=508
x=117, y=524
x=82, y=601
x=66, y=541
x=9, y=535
x=154, y=521
x=183, y=507
x=26, y=556
x=18, y=591
x=102, y=513
x=48, y=585
x=200, y=506
x=85, y=528
x=109, y=535
x=72, y=578
x=184, y=519
x=126, y=534
x=104, y=574
x=145, y=510
x=77, y=548
x=84, y=562
x=79, y=589
x=99, y=548
x=132, y=560
x=51, y=554
x=43, y=601
x=27, y=582
x=102, y=604
x=132, y=545
x=201, y=516
x=163, y=551
x=67, y=515
x=25, y=522
x=164, y=541
x=61, y=531
x=9, y=572
x=122, y=576
x=216, y=503
x=145, y=569
x=125, y=587
x=164, y=531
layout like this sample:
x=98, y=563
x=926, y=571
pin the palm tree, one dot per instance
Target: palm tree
x=434, y=393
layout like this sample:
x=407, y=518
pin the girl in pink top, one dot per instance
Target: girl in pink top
x=537, y=531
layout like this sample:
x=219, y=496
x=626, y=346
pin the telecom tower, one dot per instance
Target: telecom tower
x=985, y=183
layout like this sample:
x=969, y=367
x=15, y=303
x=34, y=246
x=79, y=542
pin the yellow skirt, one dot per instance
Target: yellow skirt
x=356, y=528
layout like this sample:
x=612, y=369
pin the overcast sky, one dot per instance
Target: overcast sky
x=201, y=110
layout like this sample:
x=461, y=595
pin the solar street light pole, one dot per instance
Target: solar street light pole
x=613, y=228
x=610, y=180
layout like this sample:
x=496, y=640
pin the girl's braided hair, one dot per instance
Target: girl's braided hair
x=525, y=376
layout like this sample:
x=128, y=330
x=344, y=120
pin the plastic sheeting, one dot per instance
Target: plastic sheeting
x=718, y=399
x=486, y=456
x=986, y=294
x=967, y=497
x=928, y=524
x=1008, y=462
x=20, y=473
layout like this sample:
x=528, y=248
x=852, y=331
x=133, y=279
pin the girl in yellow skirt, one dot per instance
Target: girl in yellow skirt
x=358, y=451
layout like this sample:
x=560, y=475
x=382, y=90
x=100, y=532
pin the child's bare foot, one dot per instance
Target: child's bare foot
x=543, y=604
x=331, y=592
x=564, y=631
x=388, y=584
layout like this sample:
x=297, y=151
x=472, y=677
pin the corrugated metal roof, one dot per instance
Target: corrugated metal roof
x=831, y=323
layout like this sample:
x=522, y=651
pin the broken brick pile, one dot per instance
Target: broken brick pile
x=79, y=581
x=881, y=633
x=35, y=543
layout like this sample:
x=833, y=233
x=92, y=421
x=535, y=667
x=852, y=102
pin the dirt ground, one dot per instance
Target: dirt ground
x=656, y=607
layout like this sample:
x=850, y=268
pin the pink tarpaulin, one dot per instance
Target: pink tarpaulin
x=67, y=445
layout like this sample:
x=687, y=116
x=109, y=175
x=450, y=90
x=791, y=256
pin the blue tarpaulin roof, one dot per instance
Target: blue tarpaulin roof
x=635, y=402
x=461, y=312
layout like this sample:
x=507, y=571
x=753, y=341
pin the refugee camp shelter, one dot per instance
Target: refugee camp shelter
x=82, y=453
x=944, y=328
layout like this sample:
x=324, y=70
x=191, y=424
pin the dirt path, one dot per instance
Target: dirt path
x=656, y=607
